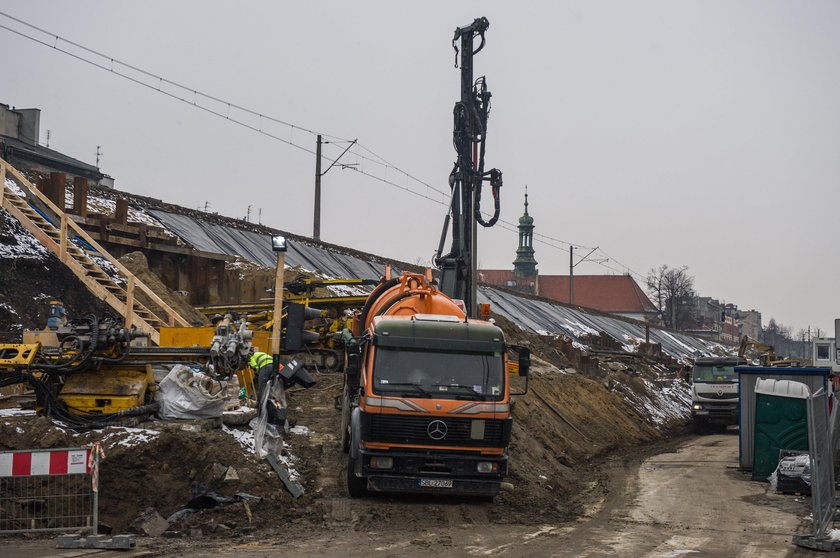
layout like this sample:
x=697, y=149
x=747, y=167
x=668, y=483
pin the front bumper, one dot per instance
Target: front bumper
x=717, y=413
x=411, y=468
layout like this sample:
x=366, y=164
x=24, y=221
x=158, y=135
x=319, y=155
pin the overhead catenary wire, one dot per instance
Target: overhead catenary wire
x=112, y=65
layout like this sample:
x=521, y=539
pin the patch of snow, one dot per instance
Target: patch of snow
x=108, y=268
x=8, y=307
x=126, y=437
x=246, y=440
x=632, y=343
x=19, y=430
x=691, y=350
x=244, y=437
x=12, y=185
x=661, y=405
x=26, y=246
x=16, y=412
x=577, y=328
x=289, y=461
x=300, y=430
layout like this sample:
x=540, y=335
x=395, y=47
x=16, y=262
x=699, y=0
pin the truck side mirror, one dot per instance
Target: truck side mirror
x=524, y=361
x=521, y=367
x=353, y=368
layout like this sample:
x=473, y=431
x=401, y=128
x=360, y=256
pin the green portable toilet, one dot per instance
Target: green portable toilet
x=781, y=422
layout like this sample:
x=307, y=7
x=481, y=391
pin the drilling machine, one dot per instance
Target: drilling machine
x=458, y=266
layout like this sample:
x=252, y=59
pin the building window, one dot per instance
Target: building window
x=823, y=352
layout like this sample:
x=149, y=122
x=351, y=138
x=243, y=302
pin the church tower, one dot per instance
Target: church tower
x=525, y=265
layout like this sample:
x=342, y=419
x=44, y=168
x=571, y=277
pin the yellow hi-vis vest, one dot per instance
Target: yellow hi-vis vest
x=258, y=360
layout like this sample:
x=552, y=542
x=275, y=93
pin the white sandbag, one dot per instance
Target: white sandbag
x=184, y=394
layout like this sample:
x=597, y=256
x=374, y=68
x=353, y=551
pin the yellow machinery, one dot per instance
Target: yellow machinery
x=767, y=354
x=90, y=374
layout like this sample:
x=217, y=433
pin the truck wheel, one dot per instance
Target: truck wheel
x=699, y=426
x=356, y=486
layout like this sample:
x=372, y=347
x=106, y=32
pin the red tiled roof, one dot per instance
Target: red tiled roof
x=607, y=293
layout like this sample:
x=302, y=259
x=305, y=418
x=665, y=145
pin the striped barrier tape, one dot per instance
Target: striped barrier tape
x=45, y=462
x=95, y=454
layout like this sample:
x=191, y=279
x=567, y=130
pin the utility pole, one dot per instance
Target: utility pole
x=571, y=274
x=98, y=155
x=248, y=214
x=316, y=226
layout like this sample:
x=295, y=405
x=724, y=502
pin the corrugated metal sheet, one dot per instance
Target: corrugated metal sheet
x=537, y=315
x=256, y=247
x=549, y=318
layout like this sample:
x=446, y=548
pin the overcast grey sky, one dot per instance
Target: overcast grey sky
x=704, y=134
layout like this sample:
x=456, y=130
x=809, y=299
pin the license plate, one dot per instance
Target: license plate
x=435, y=483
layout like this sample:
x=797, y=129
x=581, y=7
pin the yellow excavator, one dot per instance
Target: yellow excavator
x=766, y=353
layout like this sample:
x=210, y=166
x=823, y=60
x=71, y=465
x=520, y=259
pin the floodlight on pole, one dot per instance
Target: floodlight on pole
x=279, y=245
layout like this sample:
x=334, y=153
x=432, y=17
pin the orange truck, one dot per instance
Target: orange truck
x=426, y=404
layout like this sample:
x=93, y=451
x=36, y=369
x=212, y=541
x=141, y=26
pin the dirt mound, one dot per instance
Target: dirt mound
x=137, y=263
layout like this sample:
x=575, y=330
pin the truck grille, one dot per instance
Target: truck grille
x=711, y=395
x=445, y=431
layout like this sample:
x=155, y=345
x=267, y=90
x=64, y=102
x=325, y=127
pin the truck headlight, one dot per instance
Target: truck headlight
x=487, y=467
x=697, y=406
x=381, y=462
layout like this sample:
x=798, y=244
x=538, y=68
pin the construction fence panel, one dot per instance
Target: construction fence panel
x=822, y=476
x=48, y=490
x=822, y=465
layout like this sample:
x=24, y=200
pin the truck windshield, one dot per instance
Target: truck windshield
x=438, y=374
x=710, y=374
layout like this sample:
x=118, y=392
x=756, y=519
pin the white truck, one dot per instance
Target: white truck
x=714, y=392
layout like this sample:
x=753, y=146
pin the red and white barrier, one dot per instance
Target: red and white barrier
x=49, y=462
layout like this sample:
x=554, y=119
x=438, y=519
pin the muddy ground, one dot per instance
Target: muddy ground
x=566, y=428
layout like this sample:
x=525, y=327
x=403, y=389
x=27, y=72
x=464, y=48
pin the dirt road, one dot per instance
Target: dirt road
x=689, y=501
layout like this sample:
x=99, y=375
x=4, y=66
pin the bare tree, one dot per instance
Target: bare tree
x=672, y=288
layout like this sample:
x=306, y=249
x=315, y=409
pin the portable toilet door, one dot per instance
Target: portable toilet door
x=781, y=423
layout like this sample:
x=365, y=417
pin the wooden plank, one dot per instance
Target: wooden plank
x=129, y=301
x=80, y=194
x=58, y=182
x=121, y=211
x=2, y=183
x=62, y=239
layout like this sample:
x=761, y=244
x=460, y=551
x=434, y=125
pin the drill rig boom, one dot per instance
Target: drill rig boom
x=458, y=267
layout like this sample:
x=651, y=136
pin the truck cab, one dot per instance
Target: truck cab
x=426, y=403
x=714, y=392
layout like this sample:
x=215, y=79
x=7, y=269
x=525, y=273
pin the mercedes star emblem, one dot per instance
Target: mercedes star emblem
x=437, y=430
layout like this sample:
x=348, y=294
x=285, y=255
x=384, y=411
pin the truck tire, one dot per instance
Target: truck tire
x=356, y=486
x=699, y=426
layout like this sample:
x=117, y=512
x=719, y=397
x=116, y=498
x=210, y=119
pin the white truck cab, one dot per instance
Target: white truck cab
x=714, y=392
